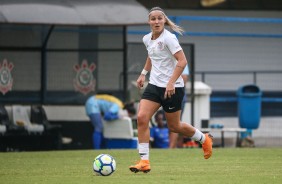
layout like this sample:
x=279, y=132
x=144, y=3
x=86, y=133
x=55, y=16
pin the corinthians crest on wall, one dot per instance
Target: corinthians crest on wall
x=6, y=80
x=84, y=81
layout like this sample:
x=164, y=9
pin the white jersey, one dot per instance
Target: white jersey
x=161, y=52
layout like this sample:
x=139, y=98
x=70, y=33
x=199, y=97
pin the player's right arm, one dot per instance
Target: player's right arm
x=141, y=79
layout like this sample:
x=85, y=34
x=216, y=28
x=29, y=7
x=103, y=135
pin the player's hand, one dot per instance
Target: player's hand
x=140, y=81
x=169, y=91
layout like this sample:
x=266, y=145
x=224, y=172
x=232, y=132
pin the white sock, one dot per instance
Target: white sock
x=144, y=151
x=199, y=136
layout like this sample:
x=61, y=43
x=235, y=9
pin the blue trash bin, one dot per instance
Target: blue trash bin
x=249, y=106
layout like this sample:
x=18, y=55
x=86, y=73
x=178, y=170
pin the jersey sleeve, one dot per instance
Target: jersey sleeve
x=145, y=39
x=172, y=44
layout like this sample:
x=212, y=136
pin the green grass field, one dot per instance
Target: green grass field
x=229, y=165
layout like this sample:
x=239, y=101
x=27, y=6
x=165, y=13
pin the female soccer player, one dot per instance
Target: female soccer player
x=166, y=61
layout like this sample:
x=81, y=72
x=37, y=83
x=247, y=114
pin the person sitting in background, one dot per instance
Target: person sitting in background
x=159, y=134
x=108, y=107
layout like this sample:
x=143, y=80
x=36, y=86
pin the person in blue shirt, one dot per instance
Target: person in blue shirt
x=159, y=134
x=108, y=107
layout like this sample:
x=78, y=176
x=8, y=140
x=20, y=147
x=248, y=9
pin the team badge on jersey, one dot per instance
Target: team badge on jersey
x=6, y=80
x=84, y=81
x=160, y=45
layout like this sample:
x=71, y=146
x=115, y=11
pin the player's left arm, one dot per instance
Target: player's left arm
x=181, y=64
x=176, y=51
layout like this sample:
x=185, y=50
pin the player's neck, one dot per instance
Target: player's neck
x=156, y=35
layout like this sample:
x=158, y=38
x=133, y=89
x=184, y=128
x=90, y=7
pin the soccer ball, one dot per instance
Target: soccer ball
x=104, y=165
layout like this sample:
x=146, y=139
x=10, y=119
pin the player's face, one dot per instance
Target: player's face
x=156, y=21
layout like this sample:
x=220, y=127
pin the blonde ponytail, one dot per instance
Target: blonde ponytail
x=173, y=26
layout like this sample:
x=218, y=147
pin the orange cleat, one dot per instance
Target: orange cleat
x=142, y=165
x=207, y=146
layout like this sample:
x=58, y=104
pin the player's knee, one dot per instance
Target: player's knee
x=174, y=128
x=142, y=120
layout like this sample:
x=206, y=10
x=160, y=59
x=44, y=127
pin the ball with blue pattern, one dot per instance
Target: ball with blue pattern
x=104, y=165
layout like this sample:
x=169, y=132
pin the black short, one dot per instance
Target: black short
x=156, y=94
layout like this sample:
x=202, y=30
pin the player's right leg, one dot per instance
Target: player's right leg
x=141, y=166
x=146, y=110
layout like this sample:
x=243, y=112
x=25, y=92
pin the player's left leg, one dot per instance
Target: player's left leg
x=173, y=138
x=175, y=125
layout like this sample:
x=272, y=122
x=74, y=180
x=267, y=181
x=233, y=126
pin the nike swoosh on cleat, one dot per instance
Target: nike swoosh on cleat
x=143, y=166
